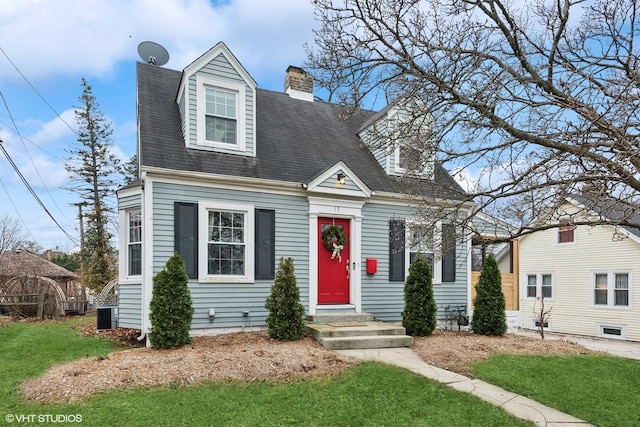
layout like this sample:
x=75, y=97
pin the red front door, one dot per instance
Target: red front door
x=333, y=266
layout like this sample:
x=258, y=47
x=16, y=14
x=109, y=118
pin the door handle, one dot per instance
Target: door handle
x=348, y=270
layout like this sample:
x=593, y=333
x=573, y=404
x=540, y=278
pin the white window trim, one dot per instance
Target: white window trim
x=437, y=251
x=611, y=289
x=201, y=99
x=557, y=233
x=539, y=275
x=601, y=326
x=128, y=213
x=123, y=234
x=203, y=223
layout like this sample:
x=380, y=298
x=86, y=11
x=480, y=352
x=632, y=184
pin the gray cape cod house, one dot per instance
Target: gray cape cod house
x=233, y=178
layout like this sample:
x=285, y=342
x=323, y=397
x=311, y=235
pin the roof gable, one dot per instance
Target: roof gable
x=327, y=182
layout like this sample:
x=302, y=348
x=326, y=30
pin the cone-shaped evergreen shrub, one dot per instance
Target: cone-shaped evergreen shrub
x=285, y=320
x=488, y=314
x=419, y=315
x=171, y=306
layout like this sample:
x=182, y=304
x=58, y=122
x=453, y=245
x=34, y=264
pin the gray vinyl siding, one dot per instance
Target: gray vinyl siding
x=220, y=69
x=385, y=299
x=380, y=297
x=130, y=305
x=129, y=294
x=332, y=183
x=182, y=108
x=230, y=300
x=130, y=202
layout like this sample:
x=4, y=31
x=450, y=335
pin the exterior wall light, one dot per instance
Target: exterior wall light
x=341, y=178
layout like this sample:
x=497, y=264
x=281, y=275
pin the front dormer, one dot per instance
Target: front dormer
x=216, y=99
x=400, y=141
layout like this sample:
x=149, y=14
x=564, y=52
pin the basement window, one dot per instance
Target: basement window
x=611, y=331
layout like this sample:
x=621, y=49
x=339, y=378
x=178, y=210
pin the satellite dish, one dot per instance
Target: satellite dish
x=152, y=53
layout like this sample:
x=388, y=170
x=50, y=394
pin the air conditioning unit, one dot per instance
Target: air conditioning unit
x=106, y=317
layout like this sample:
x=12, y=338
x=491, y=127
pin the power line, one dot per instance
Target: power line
x=29, y=154
x=17, y=211
x=36, y=90
x=33, y=193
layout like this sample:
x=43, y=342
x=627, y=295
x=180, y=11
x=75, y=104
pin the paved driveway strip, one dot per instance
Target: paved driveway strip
x=514, y=404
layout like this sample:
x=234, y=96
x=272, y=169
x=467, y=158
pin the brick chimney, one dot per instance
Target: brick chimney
x=298, y=84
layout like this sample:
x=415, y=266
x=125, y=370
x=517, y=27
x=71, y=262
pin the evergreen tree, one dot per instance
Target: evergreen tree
x=67, y=261
x=130, y=170
x=171, y=306
x=285, y=320
x=92, y=171
x=489, y=317
x=419, y=315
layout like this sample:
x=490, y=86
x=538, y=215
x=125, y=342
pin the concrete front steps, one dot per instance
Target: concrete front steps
x=354, y=331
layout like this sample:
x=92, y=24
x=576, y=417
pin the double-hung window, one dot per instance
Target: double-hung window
x=539, y=285
x=423, y=243
x=134, y=243
x=611, y=288
x=221, y=114
x=227, y=242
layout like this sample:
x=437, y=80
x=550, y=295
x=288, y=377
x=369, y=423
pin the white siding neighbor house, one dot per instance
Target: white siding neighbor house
x=233, y=178
x=587, y=274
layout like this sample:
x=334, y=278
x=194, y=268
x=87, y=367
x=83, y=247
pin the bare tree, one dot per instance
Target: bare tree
x=12, y=235
x=527, y=100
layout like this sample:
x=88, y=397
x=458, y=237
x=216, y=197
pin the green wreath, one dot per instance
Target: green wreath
x=334, y=234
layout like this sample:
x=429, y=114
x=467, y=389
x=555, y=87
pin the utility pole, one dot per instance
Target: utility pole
x=81, y=228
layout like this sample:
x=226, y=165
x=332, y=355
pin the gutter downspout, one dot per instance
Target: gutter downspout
x=143, y=328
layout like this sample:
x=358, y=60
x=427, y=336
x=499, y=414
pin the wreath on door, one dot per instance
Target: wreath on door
x=334, y=240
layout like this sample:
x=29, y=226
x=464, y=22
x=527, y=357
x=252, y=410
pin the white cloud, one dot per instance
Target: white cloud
x=47, y=38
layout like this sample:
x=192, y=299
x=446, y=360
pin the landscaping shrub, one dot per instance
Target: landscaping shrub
x=171, y=306
x=419, y=315
x=488, y=315
x=285, y=320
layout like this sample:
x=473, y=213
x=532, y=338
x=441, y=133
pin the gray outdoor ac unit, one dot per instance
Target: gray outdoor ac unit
x=106, y=317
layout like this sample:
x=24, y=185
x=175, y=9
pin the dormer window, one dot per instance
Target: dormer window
x=221, y=114
x=412, y=161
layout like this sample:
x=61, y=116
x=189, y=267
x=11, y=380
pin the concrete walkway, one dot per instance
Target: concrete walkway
x=514, y=404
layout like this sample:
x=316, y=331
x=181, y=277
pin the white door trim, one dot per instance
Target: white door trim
x=335, y=208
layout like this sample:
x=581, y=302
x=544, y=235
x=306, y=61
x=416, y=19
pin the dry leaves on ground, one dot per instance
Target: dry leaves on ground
x=254, y=356
x=458, y=351
x=242, y=356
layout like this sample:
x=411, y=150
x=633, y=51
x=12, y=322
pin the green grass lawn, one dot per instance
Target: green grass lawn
x=603, y=390
x=369, y=394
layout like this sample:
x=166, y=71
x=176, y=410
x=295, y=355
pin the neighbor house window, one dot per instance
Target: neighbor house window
x=221, y=115
x=566, y=230
x=611, y=289
x=539, y=285
x=227, y=242
x=134, y=243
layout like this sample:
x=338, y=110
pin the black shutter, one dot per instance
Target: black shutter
x=396, y=251
x=265, y=256
x=186, y=235
x=449, y=253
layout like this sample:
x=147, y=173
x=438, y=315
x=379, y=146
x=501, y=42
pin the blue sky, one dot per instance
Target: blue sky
x=55, y=43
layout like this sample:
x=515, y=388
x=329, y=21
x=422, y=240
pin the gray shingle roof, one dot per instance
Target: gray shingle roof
x=610, y=209
x=296, y=139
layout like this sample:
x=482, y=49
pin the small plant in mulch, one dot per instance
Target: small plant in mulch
x=489, y=317
x=285, y=320
x=171, y=306
x=419, y=314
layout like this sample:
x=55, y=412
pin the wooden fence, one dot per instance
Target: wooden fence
x=509, y=289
